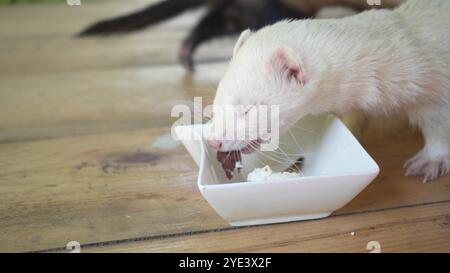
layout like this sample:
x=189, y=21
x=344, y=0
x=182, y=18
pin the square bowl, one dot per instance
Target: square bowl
x=336, y=168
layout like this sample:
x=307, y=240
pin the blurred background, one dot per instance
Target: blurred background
x=71, y=86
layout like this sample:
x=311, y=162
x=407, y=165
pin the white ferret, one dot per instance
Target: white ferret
x=379, y=61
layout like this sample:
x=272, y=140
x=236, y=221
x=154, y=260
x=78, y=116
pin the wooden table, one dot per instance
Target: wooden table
x=78, y=122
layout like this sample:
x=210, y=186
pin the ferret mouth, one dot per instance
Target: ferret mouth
x=229, y=159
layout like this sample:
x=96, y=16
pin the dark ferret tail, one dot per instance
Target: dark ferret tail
x=138, y=20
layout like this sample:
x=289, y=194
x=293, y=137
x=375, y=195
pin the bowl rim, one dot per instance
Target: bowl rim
x=374, y=171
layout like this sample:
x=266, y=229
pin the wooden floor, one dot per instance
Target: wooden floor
x=80, y=121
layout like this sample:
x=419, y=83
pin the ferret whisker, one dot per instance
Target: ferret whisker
x=271, y=157
x=301, y=128
x=281, y=157
x=284, y=154
x=295, y=139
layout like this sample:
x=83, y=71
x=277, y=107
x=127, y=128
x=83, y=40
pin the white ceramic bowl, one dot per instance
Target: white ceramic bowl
x=336, y=169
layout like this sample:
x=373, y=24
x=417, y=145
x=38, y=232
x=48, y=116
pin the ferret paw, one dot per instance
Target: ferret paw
x=428, y=167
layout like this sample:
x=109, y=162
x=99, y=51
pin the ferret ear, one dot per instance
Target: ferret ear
x=242, y=39
x=284, y=61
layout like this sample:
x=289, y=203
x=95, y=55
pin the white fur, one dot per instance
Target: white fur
x=379, y=61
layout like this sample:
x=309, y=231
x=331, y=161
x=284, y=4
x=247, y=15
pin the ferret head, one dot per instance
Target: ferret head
x=259, y=74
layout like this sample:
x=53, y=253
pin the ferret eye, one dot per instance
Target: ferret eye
x=248, y=110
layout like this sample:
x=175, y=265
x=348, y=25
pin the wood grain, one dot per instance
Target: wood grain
x=415, y=229
x=101, y=101
x=84, y=188
x=97, y=188
x=391, y=149
x=77, y=121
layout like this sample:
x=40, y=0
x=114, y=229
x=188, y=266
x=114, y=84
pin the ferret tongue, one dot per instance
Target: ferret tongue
x=228, y=161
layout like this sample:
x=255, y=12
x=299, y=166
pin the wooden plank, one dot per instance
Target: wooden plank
x=100, y=101
x=39, y=45
x=391, y=147
x=414, y=229
x=113, y=185
x=63, y=53
x=97, y=188
x=108, y=187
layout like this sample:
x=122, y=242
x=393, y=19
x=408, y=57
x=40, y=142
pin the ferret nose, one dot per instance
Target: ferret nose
x=215, y=144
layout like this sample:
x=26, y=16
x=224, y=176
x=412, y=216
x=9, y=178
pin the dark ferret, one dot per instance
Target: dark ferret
x=224, y=17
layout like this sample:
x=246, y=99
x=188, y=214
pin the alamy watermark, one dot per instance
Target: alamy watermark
x=231, y=123
x=74, y=247
x=374, y=247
